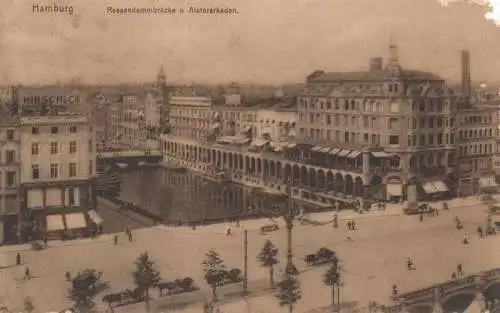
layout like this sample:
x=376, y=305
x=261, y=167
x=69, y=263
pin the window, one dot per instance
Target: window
x=72, y=129
x=54, y=148
x=11, y=179
x=393, y=123
x=54, y=130
x=72, y=169
x=10, y=134
x=90, y=146
x=54, y=170
x=71, y=196
x=35, y=149
x=35, y=171
x=35, y=130
x=72, y=147
x=394, y=140
x=11, y=156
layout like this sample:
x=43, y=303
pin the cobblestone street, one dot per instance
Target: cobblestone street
x=371, y=263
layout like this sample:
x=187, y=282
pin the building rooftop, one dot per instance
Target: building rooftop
x=365, y=76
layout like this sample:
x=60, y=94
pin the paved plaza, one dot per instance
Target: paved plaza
x=371, y=263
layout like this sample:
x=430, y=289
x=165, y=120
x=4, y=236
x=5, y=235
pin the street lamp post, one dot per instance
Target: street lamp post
x=289, y=217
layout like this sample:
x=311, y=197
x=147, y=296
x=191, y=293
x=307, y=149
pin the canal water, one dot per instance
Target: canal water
x=188, y=197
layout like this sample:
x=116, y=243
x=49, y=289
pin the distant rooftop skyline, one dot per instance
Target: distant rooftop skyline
x=267, y=42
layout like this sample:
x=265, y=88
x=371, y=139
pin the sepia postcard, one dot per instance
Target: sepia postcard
x=249, y=156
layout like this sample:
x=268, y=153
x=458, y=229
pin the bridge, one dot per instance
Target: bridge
x=131, y=159
x=481, y=290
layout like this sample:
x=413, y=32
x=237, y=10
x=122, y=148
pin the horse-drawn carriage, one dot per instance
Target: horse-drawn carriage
x=87, y=279
x=322, y=256
x=127, y=296
x=180, y=285
x=231, y=276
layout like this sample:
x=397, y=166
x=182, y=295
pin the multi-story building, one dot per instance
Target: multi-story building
x=58, y=155
x=277, y=121
x=386, y=134
x=9, y=177
x=476, y=148
x=193, y=117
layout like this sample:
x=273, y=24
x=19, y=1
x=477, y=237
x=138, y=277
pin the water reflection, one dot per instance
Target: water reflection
x=184, y=196
x=458, y=303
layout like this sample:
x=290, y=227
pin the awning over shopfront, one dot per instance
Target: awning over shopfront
x=334, y=151
x=395, y=189
x=291, y=145
x=486, y=182
x=441, y=186
x=259, y=142
x=325, y=150
x=95, y=217
x=241, y=141
x=344, y=153
x=316, y=148
x=353, y=154
x=55, y=222
x=435, y=186
x=75, y=220
x=380, y=154
x=429, y=188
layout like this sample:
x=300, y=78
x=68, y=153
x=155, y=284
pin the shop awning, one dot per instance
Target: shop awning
x=325, y=150
x=241, y=141
x=486, y=182
x=316, y=148
x=291, y=145
x=440, y=186
x=334, y=151
x=395, y=189
x=259, y=142
x=353, y=154
x=75, y=221
x=95, y=217
x=429, y=187
x=344, y=153
x=380, y=154
x=55, y=222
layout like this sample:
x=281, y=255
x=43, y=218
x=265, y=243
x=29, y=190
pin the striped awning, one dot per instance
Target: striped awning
x=325, y=150
x=344, y=153
x=353, y=154
x=55, y=222
x=334, y=151
x=316, y=148
x=95, y=217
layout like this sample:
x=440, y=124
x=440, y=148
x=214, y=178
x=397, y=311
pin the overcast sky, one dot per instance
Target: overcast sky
x=268, y=41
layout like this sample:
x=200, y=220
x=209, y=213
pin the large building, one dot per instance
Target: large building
x=58, y=155
x=193, y=117
x=385, y=134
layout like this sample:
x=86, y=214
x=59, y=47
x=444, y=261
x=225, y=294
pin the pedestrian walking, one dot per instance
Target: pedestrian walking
x=18, y=259
x=394, y=290
x=335, y=220
x=480, y=232
x=409, y=264
x=383, y=206
x=421, y=217
x=68, y=276
x=27, y=274
x=115, y=239
x=453, y=276
x=353, y=224
x=45, y=241
x=460, y=270
x=129, y=235
x=465, y=241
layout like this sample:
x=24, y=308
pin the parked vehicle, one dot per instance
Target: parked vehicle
x=269, y=228
x=322, y=256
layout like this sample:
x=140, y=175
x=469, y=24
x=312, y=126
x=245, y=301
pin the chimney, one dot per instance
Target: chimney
x=375, y=64
x=466, y=81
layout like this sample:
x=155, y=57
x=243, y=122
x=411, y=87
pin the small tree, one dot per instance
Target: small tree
x=332, y=278
x=289, y=292
x=28, y=305
x=145, y=276
x=83, y=298
x=214, y=271
x=268, y=258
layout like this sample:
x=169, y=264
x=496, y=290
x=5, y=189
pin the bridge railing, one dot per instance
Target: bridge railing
x=130, y=153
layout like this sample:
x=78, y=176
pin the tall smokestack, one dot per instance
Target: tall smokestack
x=466, y=81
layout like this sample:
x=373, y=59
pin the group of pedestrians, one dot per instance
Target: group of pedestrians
x=128, y=232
